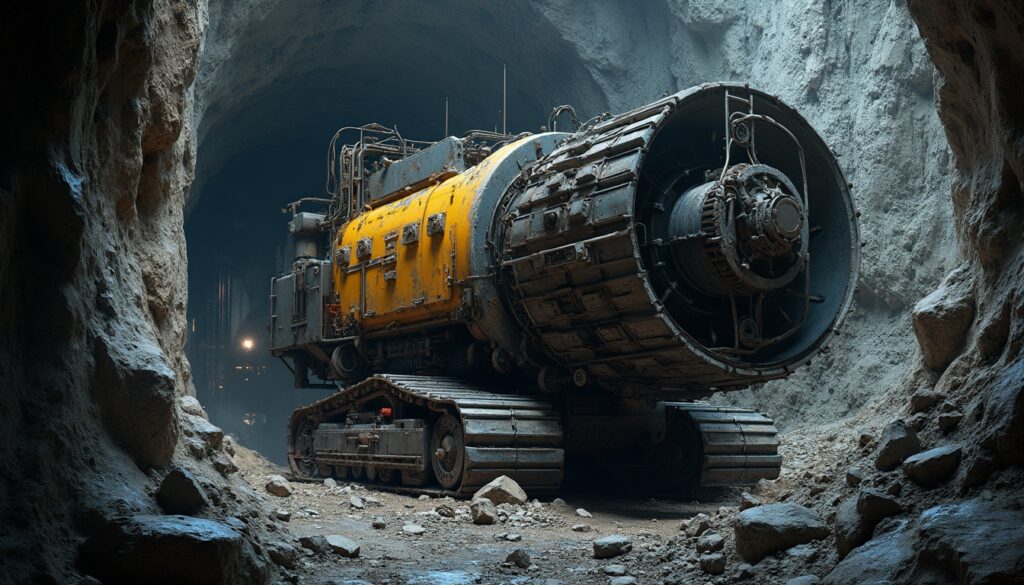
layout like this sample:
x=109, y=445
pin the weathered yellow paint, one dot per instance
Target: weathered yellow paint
x=426, y=272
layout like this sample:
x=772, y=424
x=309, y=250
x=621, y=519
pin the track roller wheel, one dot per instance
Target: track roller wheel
x=447, y=450
x=303, y=460
x=357, y=473
x=371, y=473
x=386, y=475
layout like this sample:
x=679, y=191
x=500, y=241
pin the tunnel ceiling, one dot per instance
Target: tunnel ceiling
x=294, y=72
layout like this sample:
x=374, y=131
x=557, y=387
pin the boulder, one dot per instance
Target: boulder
x=710, y=542
x=612, y=546
x=278, y=486
x=744, y=571
x=330, y=483
x=519, y=558
x=341, y=545
x=804, y=580
x=879, y=560
x=378, y=523
x=766, y=529
x=975, y=541
x=942, y=320
x=180, y=493
x=898, y=442
x=502, y=490
x=857, y=518
x=154, y=549
x=316, y=543
x=559, y=504
x=283, y=554
x=932, y=467
x=712, y=563
x=624, y=580
x=483, y=511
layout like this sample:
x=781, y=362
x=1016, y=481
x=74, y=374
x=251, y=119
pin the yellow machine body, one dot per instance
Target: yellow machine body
x=391, y=281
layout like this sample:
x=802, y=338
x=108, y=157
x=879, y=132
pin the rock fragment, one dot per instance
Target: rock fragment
x=378, y=523
x=949, y=421
x=278, y=486
x=330, y=483
x=923, y=400
x=316, y=543
x=283, y=515
x=710, y=542
x=445, y=511
x=483, y=511
x=624, y=580
x=942, y=320
x=502, y=490
x=582, y=513
x=180, y=493
x=615, y=570
x=804, y=580
x=766, y=529
x=697, y=525
x=356, y=503
x=581, y=528
x=342, y=545
x=854, y=476
x=413, y=529
x=712, y=563
x=857, y=518
x=519, y=558
x=747, y=501
x=283, y=554
x=612, y=546
x=898, y=442
x=932, y=467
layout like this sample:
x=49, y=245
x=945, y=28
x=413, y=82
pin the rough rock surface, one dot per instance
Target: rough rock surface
x=97, y=158
x=933, y=466
x=169, y=549
x=502, y=490
x=612, y=546
x=773, y=527
x=180, y=493
x=343, y=545
x=897, y=443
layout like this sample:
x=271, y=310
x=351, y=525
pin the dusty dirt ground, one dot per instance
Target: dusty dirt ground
x=454, y=551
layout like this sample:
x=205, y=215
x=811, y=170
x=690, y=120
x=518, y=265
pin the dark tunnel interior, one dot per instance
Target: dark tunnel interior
x=263, y=140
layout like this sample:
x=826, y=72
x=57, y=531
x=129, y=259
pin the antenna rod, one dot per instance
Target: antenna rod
x=445, y=117
x=504, y=98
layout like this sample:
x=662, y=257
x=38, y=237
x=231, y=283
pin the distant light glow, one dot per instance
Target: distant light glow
x=248, y=344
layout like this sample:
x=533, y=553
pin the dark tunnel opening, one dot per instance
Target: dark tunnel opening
x=263, y=135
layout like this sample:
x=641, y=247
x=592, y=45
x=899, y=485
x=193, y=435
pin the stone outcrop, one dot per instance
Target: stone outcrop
x=766, y=529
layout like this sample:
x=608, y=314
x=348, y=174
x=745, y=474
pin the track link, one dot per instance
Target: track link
x=738, y=446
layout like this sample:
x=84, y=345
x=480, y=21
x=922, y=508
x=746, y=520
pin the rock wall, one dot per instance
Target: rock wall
x=95, y=410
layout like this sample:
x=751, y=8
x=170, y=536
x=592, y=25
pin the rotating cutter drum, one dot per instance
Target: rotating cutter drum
x=704, y=242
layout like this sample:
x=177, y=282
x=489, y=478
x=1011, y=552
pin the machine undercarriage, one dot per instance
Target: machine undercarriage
x=447, y=436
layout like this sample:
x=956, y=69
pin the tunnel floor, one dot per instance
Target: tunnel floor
x=557, y=537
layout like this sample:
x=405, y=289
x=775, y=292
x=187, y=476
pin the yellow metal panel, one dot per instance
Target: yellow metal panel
x=425, y=273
